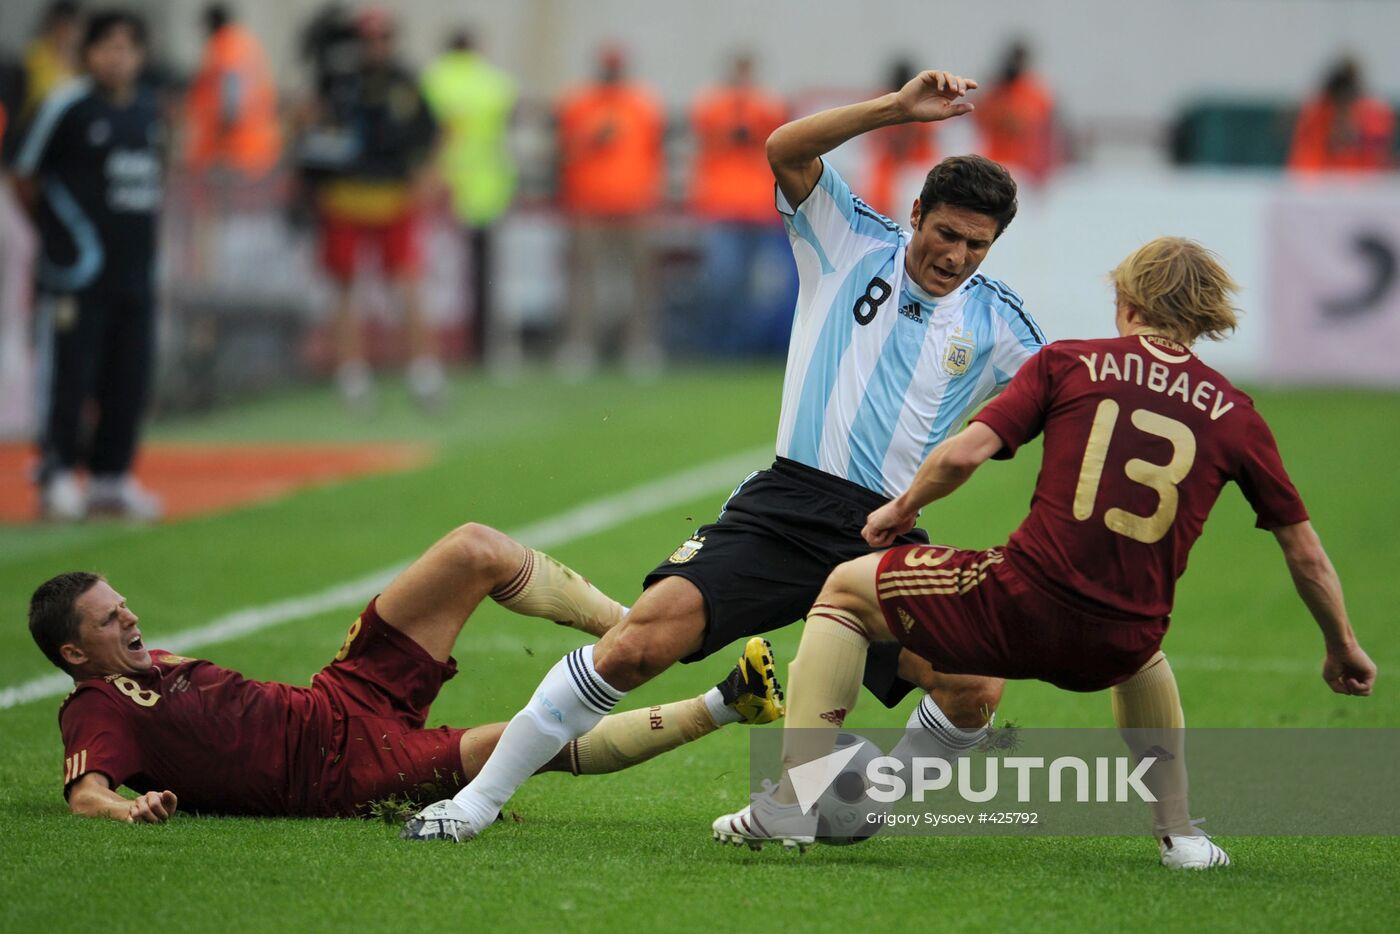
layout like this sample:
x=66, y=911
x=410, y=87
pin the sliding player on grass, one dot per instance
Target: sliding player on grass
x=187, y=731
x=896, y=339
x=1140, y=438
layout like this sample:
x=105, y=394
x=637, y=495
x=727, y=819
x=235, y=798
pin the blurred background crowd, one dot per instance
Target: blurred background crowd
x=346, y=190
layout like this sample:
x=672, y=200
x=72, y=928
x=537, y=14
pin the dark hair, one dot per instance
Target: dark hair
x=1343, y=80
x=972, y=182
x=216, y=17
x=104, y=22
x=463, y=40
x=53, y=613
x=57, y=12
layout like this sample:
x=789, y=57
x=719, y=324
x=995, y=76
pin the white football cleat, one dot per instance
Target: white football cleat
x=1191, y=852
x=765, y=821
x=444, y=820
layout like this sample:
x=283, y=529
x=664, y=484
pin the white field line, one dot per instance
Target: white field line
x=591, y=517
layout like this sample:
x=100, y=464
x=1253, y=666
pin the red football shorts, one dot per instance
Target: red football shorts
x=973, y=612
x=394, y=242
x=381, y=685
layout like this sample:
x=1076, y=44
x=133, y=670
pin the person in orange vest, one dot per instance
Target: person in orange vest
x=1016, y=119
x=611, y=173
x=731, y=190
x=1343, y=130
x=231, y=111
x=899, y=155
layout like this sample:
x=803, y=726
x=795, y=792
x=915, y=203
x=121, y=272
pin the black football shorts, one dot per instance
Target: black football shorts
x=762, y=563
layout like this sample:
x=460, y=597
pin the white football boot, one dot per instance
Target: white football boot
x=1191, y=852
x=444, y=820
x=765, y=821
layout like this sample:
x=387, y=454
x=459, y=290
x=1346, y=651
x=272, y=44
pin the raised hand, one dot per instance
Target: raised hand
x=934, y=95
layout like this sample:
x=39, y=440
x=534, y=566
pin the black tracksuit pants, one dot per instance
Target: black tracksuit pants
x=100, y=360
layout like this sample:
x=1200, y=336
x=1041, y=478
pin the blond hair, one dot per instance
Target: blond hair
x=1179, y=288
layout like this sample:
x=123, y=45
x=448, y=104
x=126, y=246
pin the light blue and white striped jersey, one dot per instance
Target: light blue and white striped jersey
x=878, y=370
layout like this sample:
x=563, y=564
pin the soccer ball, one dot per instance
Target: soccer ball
x=844, y=807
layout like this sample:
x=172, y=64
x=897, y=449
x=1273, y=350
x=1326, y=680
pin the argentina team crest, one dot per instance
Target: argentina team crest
x=962, y=347
x=687, y=551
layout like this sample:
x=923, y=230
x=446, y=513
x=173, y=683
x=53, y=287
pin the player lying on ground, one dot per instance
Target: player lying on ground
x=896, y=339
x=180, y=729
x=1140, y=437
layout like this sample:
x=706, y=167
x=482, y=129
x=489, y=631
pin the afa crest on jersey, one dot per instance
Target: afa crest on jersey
x=687, y=551
x=958, y=357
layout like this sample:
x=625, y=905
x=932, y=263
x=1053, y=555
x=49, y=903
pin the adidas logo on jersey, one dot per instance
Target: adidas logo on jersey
x=837, y=716
x=913, y=312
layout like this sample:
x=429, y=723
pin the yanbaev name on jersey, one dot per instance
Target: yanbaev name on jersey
x=1156, y=376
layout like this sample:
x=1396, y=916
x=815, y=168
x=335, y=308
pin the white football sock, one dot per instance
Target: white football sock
x=569, y=702
x=930, y=734
x=720, y=712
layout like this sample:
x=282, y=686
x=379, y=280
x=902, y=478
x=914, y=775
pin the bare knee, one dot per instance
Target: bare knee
x=665, y=626
x=482, y=551
x=968, y=701
x=851, y=587
x=632, y=655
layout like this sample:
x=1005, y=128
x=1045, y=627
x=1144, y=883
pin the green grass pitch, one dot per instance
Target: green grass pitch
x=632, y=850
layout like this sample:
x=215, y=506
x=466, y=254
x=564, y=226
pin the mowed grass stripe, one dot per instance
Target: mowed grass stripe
x=586, y=519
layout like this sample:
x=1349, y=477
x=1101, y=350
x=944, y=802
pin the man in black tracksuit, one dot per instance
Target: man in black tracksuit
x=91, y=167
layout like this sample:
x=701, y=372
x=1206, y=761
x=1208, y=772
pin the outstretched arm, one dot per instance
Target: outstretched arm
x=92, y=796
x=795, y=149
x=1347, y=668
x=947, y=467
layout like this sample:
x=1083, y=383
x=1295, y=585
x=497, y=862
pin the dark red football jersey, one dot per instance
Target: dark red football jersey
x=1140, y=437
x=229, y=744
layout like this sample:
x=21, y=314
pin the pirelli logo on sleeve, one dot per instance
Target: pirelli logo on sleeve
x=74, y=766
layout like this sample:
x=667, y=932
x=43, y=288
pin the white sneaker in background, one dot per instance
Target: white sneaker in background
x=427, y=383
x=356, y=384
x=122, y=497
x=61, y=499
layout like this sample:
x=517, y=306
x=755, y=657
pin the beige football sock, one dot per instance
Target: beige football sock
x=622, y=740
x=1147, y=709
x=823, y=684
x=545, y=587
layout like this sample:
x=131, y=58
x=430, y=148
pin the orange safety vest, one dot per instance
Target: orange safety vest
x=252, y=140
x=1015, y=120
x=899, y=152
x=610, y=144
x=1362, y=140
x=732, y=180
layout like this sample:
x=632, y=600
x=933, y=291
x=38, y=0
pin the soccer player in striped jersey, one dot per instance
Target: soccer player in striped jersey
x=897, y=339
x=1140, y=438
